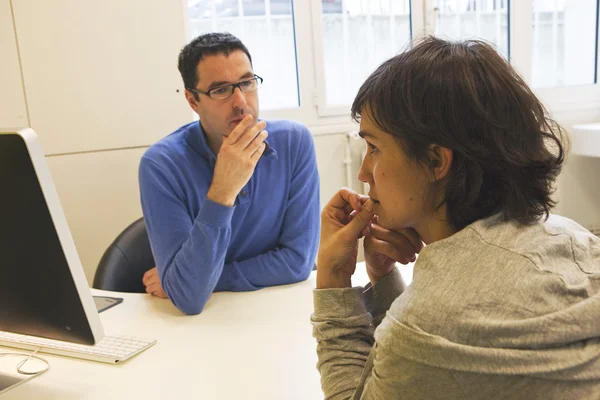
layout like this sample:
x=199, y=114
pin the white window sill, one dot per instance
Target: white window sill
x=585, y=140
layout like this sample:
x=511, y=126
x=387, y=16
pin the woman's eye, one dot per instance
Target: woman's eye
x=372, y=149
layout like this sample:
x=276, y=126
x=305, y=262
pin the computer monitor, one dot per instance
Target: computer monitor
x=43, y=289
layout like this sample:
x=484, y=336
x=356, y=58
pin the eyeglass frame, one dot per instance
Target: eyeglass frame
x=238, y=85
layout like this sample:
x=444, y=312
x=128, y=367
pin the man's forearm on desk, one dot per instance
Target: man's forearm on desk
x=278, y=266
x=192, y=274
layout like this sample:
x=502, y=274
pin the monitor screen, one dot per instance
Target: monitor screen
x=41, y=288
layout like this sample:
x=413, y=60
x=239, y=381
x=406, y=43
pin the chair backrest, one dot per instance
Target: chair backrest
x=124, y=263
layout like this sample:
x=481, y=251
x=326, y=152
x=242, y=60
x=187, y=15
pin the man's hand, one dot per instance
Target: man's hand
x=236, y=160
x=384, y=247
x=152, y=283
x=343, y=221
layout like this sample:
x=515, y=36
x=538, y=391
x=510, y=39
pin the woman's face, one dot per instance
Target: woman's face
x=397, y=184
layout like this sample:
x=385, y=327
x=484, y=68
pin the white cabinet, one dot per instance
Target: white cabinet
x=101, y=74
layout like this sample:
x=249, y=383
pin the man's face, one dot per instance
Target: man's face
x=219, y=117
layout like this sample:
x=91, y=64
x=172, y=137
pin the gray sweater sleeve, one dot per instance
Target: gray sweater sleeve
x=380, y=297
x=343, y=324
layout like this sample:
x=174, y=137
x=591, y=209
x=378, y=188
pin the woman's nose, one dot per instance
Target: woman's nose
x=364, y=173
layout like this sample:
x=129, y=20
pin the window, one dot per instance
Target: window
x=469, y=19
x=564, y=42
x=315, y=54
x=267, y=29
x=357, y=36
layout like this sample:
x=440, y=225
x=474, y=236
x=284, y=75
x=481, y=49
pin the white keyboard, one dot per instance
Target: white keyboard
x=110, y=349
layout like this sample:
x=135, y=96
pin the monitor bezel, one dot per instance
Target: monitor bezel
x=40, y=166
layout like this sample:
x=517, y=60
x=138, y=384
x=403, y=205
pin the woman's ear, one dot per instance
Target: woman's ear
x=440, y=161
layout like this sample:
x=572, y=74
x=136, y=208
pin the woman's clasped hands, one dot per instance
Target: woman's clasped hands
x=345, y=219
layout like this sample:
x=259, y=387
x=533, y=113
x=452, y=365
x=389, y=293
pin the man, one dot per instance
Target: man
x=225, y=208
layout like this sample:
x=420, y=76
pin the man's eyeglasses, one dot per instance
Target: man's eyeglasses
x=223, y=92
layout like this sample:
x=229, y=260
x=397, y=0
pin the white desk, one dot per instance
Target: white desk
x=252, y=345
x=585, y=140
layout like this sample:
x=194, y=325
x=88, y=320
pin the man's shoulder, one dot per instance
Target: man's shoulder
x=287, y=133
x=171, y=146
x=286, y=127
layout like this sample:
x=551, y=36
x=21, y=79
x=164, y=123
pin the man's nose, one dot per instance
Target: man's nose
x=238, y=98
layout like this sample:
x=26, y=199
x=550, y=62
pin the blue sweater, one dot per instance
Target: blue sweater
x=269, y=237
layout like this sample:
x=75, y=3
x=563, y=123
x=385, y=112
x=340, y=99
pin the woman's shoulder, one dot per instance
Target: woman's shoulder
x=555, y=244
x=498, y=241
x=495, y=272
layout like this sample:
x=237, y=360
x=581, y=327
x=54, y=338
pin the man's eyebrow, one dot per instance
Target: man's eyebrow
x=218, y=83
x=221, y=83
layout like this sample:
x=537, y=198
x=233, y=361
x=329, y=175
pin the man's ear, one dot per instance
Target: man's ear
x=440, y=160
x=189, y=96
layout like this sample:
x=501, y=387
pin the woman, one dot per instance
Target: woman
x=505, y=298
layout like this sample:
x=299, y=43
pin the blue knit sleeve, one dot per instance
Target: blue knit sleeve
x=189, y=254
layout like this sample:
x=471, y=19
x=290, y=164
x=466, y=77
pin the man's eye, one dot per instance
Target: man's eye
x=247, y=83
x=219, y=90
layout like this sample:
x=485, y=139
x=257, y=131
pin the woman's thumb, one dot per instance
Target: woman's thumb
x=362, y=219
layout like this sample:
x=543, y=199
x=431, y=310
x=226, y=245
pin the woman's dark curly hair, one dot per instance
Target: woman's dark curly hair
x=466, y=97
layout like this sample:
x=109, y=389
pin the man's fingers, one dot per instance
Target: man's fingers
x=250, y=134
x=156, y=290
x=150, y=289
x=148, y=276
x=258, y=153
x=239, y=129
x=258, y=144
x=152, y=281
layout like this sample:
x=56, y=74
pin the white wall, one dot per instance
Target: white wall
x=578, y=191
x=100, y=74
x=102, y=84
x=12, y=99
x=99, y=83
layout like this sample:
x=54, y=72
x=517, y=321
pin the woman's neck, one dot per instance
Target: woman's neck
x=435, y=227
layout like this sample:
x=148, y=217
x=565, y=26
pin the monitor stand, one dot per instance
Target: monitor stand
x=104, y=302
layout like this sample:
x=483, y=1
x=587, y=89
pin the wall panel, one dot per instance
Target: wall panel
x=101, y=74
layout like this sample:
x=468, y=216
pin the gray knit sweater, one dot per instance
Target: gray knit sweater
x=498, y=310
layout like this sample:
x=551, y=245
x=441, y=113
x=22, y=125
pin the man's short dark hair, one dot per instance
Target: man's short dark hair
x=208, y=44
x=464, y=96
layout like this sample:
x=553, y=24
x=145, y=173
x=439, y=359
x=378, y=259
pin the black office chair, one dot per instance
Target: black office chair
x=124, y=263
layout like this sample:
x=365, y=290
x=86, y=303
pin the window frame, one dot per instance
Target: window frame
x=579, y=102
x=582, y=101
x=323, y=109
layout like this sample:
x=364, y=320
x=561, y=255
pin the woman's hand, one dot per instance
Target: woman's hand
x=384, y=247
x=342, y=223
